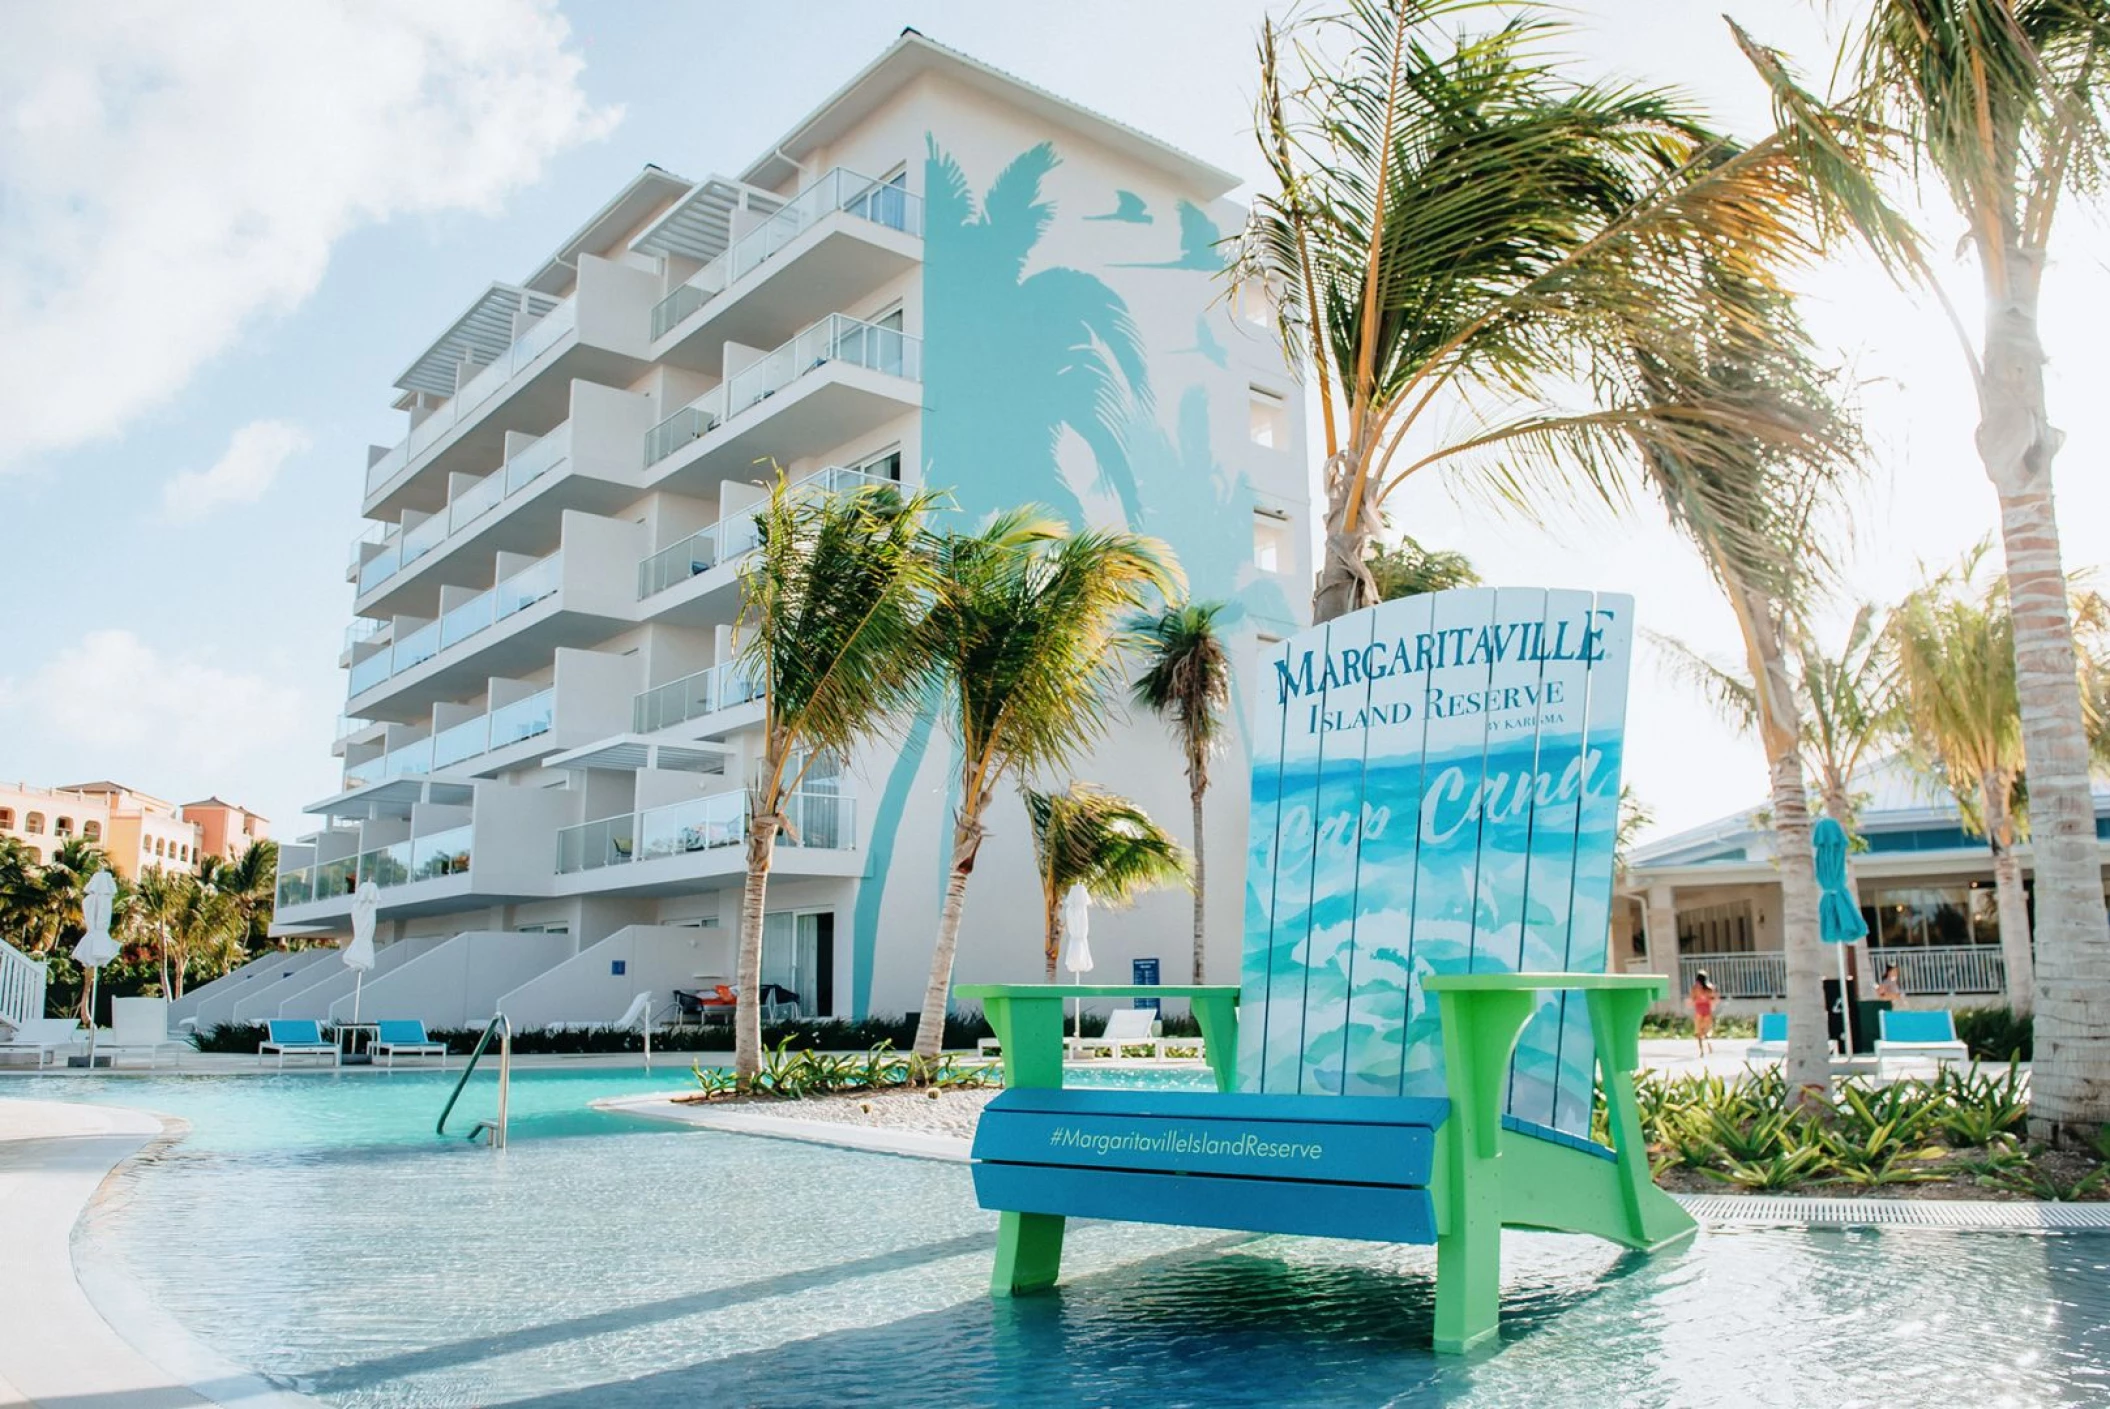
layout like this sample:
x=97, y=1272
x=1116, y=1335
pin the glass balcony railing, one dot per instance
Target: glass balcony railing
x=405, y=547
x=472, y=738
x=362, y=630
x=523, y=719
x=440, y=854
x=479, y=389
x=515, y=594
x=692, y=697
x=335, y=878
x=881, y=202
x=823, y=820
x=296, y=887
x=732, y=535
x=835, y=338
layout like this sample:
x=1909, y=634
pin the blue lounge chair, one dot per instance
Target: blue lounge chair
x=404, y=1037
x=295, y=1037
x=1434, y=798
x=1772, y=1037
x=1927, y=1034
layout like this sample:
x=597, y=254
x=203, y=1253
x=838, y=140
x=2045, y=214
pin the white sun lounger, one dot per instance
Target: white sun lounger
x=44, y=1038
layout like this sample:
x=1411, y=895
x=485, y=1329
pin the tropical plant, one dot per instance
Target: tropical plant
x=1454, y=224
x=250, y=881
x=157, y=906
x=831, y=604
x=1186, y=681
x=2004, y=101
x=1407, y=569
x=1635, y=817
x=1960, y=714
x=1028, y=627
x=1086, y=836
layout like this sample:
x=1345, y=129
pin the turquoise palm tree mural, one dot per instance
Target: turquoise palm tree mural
x=1013, y=360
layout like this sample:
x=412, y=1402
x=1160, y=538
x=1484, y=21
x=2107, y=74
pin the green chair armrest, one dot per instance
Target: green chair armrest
x=1027, y=1019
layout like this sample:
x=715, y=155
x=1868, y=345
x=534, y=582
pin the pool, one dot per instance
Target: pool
x=598, y=1261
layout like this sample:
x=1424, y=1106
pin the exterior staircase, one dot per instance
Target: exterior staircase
x=22, y=981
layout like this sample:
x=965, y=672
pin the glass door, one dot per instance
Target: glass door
x=796, y=953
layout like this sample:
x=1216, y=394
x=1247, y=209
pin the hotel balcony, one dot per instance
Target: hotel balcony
x=699, y=842
x=833, y=382
x=722, y=696
x=684, y=583
x=589, y=463
x=507, y=364
x=573, y=597
x=831, y=244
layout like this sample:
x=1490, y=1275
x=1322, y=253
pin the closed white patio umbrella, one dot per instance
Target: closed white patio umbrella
x=1076, y=945
x=96, y=947
x=359, y=954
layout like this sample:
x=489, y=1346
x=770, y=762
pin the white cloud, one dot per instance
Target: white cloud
x=113, y=698
x=254, y=456
x=171, y=172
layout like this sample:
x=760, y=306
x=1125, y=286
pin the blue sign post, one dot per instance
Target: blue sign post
x=1143, y=973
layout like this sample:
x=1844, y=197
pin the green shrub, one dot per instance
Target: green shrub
x=1995, y=1034
x=793, y=1076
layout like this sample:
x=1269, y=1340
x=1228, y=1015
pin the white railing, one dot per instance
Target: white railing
x=419, y=858
x=835, y=338
x=514, y=594
x=22, y=984
x=691, y=697
x=733, y=535
x=841, y=189
x=1945, y=969
x=1736, y=975
x=823, y=820
x=405, y=547
x=470, y=398
x=495, y=729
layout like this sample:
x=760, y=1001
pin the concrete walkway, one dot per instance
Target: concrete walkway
x=59, y=1351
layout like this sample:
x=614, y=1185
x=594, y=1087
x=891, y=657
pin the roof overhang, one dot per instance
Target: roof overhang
x=912, y=56
x=393, y=797
x=632, y=753
x=647, y=192
x=699, y=226
x=482, y=333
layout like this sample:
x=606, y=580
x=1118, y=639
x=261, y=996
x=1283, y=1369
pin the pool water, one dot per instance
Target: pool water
x=308, y=1232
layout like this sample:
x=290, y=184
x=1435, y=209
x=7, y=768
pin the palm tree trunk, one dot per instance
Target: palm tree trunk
x=747, y=1010
x=1345, y=584
x=1809, y=1066
x=1201, y=892
x=937, y=994
x=1051, y=926
x=2015, y=953
x=2070, y=1078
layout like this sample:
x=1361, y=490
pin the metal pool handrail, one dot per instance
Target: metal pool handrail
x=504, y=1029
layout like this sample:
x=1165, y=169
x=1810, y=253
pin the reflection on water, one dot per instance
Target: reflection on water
x=703, y=1269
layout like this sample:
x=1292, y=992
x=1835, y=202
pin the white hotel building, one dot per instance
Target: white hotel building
x=942, y=275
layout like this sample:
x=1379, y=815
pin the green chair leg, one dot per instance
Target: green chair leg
x=1028, y=1253
x=1479, y=1031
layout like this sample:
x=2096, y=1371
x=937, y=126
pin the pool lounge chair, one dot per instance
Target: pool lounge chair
x=404, y=1037
x=1927, y=1034
x=46, y=1039
x=1131, y=1027
x=296, y=1037
x=1772, y=1044
x=139, y=1028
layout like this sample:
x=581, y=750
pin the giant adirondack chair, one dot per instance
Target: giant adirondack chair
x=1424, y=1008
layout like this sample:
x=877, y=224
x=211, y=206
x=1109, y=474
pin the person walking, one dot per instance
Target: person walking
x=1703, y=998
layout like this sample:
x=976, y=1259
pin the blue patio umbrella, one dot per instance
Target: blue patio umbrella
x=1838, y=917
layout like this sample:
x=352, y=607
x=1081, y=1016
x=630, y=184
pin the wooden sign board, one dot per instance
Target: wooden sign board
x=1435, y=790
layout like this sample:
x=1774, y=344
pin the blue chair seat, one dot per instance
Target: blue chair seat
x=1322, y=1166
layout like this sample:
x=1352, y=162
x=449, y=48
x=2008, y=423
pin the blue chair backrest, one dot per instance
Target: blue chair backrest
x=1772, y=1027
x=296, y=1031
x=407, y=1031
x=1435, y=790
x=1935, y=1026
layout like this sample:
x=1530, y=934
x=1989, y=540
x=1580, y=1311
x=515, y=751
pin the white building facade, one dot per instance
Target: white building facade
x=943, y=276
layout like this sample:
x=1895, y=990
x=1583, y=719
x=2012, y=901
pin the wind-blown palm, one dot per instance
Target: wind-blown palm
x=250, y=881
x=1186, y=682
x=1028, y=631
x=1064, y=338
x=1455, y=226
x=156, y=911
x=1090, y=837
x=832, y=603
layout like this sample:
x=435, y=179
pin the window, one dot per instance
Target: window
x=1270, y=540
x=91, y=831
x=1716, y=929
x=1269, y=423
x=887, y=466
x=183, y=853
x=7, y=819
x=34, y=825
x=62, y=827
x=161, y=846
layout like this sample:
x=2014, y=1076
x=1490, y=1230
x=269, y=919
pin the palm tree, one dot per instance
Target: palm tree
x=250, y=880
x=2006, y=101
x=205, y=933
x=1028, y=630
x=1961, y=713
x=1186, y=681
x=1410, y=569
x=22, y=895
x=158, y=901
x=831, y=603
x=1454, y=224
x=1090, y=837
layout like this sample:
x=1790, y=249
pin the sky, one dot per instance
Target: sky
x=225, y=231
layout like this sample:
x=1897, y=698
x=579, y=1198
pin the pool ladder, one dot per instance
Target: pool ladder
x=492, y=1131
